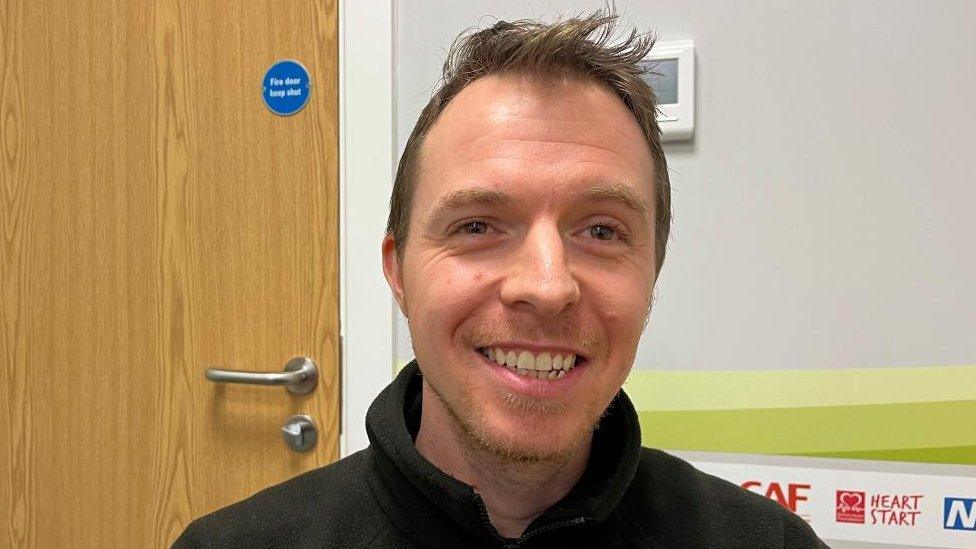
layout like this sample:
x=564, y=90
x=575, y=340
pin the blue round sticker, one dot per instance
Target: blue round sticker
x=286, y=87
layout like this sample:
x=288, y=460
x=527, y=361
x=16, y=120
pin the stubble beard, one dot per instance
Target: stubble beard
x=475, y=431
x=479, y=435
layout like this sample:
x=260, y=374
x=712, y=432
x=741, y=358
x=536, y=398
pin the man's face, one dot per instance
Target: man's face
x=531, y=237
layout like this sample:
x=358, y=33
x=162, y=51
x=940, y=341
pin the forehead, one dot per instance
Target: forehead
x=525, y=134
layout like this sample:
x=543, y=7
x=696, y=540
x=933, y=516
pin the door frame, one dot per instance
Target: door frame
x=367, y=160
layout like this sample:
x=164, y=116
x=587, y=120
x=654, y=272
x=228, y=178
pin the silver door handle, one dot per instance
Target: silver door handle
x=300, y=376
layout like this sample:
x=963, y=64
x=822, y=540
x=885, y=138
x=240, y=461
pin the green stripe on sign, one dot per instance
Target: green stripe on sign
x=660, y=390
x=958, y=455
x=815, y=430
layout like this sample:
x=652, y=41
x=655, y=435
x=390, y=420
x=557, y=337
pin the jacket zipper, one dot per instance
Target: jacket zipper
x=486, y=522
x=550, y=527
x=487, y=525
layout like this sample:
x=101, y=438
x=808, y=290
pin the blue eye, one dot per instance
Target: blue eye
x=474, y=227
x=602, y=232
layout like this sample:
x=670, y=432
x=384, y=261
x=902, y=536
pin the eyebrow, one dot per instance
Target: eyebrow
x=617, y=193
x=468, y=197
x=613, y=192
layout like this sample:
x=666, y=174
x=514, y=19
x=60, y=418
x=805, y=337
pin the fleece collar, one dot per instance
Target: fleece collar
x=421, y=499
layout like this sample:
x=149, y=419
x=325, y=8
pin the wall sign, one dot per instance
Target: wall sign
x=286, y=87
x=891, y=508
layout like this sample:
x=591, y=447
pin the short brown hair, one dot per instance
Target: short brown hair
x=586, y=46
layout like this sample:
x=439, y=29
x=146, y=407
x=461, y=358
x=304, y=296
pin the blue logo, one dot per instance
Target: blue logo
x=286, y=88
x=959, y=514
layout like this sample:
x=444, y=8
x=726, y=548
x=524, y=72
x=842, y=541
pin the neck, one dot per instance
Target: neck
x=514, y=493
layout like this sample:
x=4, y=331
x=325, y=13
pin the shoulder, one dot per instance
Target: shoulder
x=675, y=502
x=329, y=506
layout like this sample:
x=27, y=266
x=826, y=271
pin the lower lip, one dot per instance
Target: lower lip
x=531, y=386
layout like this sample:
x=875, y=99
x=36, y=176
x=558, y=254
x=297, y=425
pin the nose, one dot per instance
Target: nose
x=538, y=277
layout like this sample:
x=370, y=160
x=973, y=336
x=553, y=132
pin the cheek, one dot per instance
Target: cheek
x=444, y=292
x=621, y=302
x=622, y=313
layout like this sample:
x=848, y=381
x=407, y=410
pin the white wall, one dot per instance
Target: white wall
x=823, y=214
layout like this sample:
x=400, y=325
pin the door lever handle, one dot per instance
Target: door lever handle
x=300, y=376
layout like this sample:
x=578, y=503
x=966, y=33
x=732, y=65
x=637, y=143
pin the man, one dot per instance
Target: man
x=528, y=225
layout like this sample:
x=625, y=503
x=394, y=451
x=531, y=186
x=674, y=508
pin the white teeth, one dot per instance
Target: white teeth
x=549, y=366
x=551, y=375
x=499, y=356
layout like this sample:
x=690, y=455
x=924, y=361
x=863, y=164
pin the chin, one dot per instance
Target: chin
x=526, y=450
x=516, y=427
x=528, y=438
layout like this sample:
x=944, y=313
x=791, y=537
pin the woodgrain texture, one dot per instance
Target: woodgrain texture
x=155, y=220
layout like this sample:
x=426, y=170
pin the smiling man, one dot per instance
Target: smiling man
x=528, y=225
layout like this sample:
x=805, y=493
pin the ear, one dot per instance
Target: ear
x=392, y=271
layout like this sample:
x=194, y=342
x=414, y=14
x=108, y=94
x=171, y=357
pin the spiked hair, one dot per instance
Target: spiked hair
x=585, y=46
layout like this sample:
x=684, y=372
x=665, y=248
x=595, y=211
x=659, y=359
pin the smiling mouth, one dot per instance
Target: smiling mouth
x=543, y=365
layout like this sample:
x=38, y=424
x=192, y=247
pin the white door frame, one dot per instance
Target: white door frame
x=367, y=157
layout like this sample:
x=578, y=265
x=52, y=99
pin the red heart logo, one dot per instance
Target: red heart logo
x=851, y=499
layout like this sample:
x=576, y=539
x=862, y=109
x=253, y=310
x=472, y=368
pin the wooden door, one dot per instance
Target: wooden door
x=155, y=220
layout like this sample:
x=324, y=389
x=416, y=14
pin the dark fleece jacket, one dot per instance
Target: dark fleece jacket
x=388, y=495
